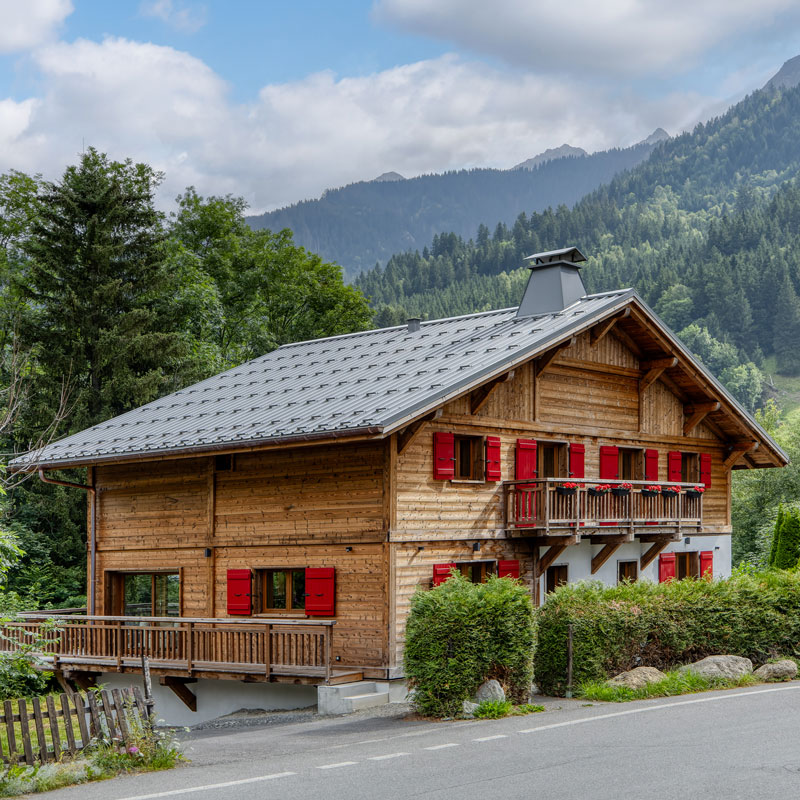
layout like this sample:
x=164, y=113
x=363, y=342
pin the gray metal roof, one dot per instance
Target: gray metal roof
x=373, y=381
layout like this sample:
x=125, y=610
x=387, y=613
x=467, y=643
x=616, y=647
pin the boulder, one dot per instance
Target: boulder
x=637, y=678
x=468, y=709
x=785, y=670
x=731, y=667
x=489, y=690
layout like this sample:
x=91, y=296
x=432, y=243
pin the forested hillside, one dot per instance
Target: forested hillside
x=364, y=223
x=706, y=230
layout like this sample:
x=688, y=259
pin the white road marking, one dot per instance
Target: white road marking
x=659, y=707
x=338, y=764
x=442, y=746
x=388, y=755
x=210, y=786
x=489, y=738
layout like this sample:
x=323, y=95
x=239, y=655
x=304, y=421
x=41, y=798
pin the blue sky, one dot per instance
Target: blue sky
x=278, y=100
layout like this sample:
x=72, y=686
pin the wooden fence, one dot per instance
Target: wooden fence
x=41, y=729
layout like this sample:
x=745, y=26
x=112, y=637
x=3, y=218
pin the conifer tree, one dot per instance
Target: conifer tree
x=787, y=553
x=775, y=536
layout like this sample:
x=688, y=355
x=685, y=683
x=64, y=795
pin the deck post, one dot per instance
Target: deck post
x=327, y=654
x=268, y=650
x=189, y=647
x=119, y=646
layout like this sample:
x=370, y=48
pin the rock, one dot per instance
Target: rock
x=784, y=670
x=490, y=690
x=468, y=709
x=720, y=667
x=637, y=678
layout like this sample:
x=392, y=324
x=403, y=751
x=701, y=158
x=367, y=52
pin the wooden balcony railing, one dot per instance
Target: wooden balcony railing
x=261, y=647
x=542, y=505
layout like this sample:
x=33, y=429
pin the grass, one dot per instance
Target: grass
x=675, y=683
x=786, y=387
x=496, y=709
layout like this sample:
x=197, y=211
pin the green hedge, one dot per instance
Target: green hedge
x=617, y=628
x=460, y=634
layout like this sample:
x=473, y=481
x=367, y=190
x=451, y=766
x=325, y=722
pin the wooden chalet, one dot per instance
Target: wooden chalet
x=271, y=524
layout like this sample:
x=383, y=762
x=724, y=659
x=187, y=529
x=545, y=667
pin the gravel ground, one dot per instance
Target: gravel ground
x=257, y=717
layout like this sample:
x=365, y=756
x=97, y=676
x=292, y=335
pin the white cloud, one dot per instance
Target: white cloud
x=613, y=37
x=181, y=17
x=28, y=23
x=294, y=140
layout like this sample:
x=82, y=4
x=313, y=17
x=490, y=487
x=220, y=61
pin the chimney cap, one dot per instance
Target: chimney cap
x=568, y=255
x=414, y=324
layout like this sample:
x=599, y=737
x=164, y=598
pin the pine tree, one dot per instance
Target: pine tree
x=787, y=329
x=775, y=536
x=787, y=553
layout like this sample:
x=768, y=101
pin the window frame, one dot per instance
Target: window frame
x=261, y=586
x=690, y=467
x=477, y=458
x=486, y=568
x=690, y=559
x=560, y=450
x=551, y=571
x=625, y=561
x=636, y=455
x=114, y=601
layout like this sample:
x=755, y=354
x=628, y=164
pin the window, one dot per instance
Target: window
x=469, y=458
x=477, y=571
x=281, y=590
x=690, y=468
x=627, y=571
x=146, y=594
x=687, y=565
x=223, y=463
x=552, y=459
x=630, y=464
x=556, y=576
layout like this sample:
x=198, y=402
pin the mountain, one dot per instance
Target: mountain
x=551, y=154
x=787, y=77
x=366, y=222
x=707, y=230
x=658, y=135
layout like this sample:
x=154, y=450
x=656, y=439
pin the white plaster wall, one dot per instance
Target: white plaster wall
x=578, y=559
x=217, y=697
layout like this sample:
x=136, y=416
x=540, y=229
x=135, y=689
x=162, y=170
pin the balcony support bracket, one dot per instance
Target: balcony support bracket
x=605, y=553
x=181, y=690
x=655, y=549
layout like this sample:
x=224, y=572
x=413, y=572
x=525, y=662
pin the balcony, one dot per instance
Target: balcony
x=271, y=650
x=545, y=507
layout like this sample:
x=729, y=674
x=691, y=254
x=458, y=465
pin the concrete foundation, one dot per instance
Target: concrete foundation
x=217, y=697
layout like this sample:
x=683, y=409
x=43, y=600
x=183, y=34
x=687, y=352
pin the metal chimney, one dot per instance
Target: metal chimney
x=414, y=324
x=555, y=282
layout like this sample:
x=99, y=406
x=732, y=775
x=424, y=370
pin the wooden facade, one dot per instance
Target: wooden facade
x=374, y=510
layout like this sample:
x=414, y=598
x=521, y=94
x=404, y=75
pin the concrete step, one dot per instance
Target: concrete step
x=348, y=697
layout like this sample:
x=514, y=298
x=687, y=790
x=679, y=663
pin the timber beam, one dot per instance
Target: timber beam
x=737, y=450
x=83, y=680
x=647, y=538
x=545, y=360
x=552, y=539
x=604, y=554
x=180, y=689
x=611, y=538
x=555, y=549
x=654, y=369
x=599, y=331
x=410, y=432
x=696, y=413
x=655, y=549
x=479, y=397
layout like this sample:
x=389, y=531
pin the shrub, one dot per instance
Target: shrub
x=459, y=634
x=756, y=615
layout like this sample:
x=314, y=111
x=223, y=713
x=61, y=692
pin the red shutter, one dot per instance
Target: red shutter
x=707, y=564
x=240, y=592
x=320, y=591
x=441, y=572
x=674, y=466
x=576, y=460
x=666, y=567
x=705, y=470
x=444, y=456
x=651, y=465
x=508, y=569
x=609, y=462
x=526, y=459
x=492, y=458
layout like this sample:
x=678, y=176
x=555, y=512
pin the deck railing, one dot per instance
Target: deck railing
x=545, y=504
x=262, y=647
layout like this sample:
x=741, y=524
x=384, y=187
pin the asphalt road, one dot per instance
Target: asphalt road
x=731, y=744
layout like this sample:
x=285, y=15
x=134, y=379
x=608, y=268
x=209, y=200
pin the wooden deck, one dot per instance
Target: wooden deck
x=543, y=506
x=274, y=650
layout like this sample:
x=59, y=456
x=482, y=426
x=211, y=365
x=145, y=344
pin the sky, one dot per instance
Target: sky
x=275, y=100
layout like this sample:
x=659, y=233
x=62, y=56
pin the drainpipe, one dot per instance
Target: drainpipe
x=92, y=528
